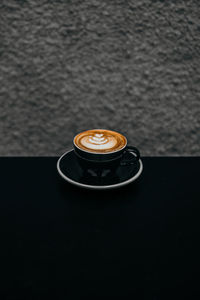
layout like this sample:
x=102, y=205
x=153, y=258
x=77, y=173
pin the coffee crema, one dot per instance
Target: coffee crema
x=100, y=141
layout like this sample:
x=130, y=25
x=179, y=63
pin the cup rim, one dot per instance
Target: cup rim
x=99, y=153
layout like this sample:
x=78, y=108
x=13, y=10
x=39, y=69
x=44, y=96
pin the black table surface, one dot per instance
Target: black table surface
x=137, y=242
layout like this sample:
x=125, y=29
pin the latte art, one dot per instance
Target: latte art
x=100, y=141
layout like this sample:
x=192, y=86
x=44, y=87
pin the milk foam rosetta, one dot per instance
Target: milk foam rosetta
x=100, y=141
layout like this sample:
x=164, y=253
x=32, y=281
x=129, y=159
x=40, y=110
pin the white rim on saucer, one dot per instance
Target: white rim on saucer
x=98, y=187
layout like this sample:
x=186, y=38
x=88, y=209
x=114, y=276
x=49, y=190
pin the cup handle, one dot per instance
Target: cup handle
x=135, y=157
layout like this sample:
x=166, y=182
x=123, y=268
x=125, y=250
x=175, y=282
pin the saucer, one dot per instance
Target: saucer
x=70, y=170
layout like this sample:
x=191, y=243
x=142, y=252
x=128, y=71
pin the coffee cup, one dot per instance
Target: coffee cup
x=100, y=150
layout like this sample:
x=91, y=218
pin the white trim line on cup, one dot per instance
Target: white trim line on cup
x=96, y=187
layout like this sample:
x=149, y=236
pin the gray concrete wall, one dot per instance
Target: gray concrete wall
x=130, y=66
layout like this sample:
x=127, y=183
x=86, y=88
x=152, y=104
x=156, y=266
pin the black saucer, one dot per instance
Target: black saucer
x=70, y=170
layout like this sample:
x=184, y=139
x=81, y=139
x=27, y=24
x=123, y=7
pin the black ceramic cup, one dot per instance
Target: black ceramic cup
x=99, y=163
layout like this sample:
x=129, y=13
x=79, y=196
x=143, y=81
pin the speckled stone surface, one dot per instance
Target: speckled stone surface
x=129, y=66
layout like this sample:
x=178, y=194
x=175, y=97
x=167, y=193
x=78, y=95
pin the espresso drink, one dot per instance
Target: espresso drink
x=100, y=141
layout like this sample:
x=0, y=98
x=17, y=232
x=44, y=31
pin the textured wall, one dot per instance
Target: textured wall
x=130, y=66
